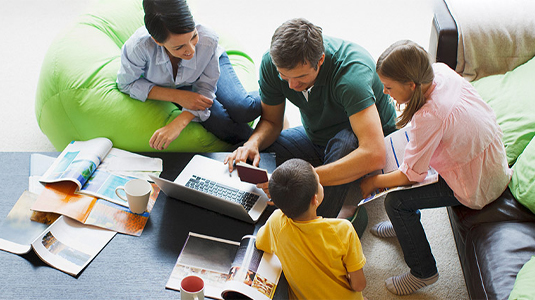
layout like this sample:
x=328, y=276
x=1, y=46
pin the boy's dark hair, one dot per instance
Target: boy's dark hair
x=163, y=17
x=292, y=186
x=296, y=42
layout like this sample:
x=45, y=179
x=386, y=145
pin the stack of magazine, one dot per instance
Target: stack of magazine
x=70, y=211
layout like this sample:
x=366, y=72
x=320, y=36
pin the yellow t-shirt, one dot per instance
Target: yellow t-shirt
x=315, y=255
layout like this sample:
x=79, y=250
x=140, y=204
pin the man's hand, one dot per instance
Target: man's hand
x=247, y=151
x=192, y=100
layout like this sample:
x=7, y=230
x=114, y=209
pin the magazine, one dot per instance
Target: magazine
x=228, y=268
x=61, y=198
x=59, y=241
x=395, y=144
x=97, y=168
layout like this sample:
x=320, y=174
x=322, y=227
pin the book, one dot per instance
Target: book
x=395, y=144
x=230, y=269
x=61, y=198
x=97, y=168
x=59, y=241
x=251, y=174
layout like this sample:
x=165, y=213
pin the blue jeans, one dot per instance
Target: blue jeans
x=233, y=107
x=403, y=209
x=294, y=143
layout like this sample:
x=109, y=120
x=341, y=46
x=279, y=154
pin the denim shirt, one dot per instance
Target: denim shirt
x=145, y=64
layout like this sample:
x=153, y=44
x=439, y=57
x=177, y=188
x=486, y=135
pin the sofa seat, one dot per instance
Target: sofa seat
x=493, y=243
x=77, y=97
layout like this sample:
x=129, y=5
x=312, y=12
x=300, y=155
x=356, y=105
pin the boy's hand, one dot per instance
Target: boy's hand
x=264, y=186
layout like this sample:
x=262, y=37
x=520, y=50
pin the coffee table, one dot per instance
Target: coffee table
x=128, y=267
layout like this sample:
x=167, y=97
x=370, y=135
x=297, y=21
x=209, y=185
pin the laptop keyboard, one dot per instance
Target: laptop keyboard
x=246, y=199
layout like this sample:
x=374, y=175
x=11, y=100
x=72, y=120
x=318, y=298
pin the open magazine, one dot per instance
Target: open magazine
x=61, y=198
x=229, y=269
x=395, y=144
x=97, y=168
x=59, y=241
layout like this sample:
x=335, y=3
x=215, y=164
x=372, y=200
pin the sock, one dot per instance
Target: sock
x=383, y=230
x=407, y=283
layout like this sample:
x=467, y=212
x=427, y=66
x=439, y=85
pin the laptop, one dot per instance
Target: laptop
x=207, y=183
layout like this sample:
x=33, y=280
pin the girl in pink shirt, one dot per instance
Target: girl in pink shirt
x=455, y=132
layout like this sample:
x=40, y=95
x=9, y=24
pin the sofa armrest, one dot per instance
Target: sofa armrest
x=444, y=37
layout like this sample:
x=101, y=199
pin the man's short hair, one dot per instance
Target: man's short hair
x=292, y=187
x=296, y=42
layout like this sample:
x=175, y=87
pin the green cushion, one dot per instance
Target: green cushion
x=524, y=288
x=522, y=183
x=511, y=97
x=77, y=97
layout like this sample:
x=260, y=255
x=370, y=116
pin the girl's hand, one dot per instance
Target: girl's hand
x=192, y=100
x=367, y=186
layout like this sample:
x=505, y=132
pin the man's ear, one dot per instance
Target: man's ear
x=321, y=61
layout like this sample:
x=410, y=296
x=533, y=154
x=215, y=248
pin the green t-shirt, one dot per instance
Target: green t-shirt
x=346, y=84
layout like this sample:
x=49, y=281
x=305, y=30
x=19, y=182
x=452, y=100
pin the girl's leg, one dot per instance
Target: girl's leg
x=403, y=209
x=242, y=107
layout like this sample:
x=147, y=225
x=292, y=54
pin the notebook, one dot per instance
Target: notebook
x=207, y=183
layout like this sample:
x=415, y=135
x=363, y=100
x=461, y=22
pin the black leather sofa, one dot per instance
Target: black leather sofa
x=493, y=243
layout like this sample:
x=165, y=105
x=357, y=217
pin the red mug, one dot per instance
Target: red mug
x=192, y=288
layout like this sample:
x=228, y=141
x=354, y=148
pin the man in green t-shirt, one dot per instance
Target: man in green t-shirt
x=344, y=112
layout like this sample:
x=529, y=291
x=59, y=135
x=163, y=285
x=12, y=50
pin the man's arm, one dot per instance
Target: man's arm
x=265, y=133
x=368, y=157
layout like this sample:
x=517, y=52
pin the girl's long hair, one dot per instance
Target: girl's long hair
x=404, y=62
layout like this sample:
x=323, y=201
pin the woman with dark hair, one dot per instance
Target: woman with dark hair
x=174, y=59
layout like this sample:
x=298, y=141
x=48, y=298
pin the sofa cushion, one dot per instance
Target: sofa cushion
x=525, y=282
x=522, y=183
x=513, y=102
x=77, y=97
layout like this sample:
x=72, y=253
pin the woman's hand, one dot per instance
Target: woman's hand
x=162, y=137
x=192, y=100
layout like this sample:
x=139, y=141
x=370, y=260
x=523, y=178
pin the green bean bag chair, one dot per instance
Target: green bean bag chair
x=77, y=97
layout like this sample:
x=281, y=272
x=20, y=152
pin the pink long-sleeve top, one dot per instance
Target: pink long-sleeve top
x=456, y=133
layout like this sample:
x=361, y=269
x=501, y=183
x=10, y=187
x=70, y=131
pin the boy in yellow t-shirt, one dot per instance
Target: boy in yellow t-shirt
x=321, y=257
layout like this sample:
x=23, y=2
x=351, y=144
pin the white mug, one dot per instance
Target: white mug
x=137, y=194
x=192, y=288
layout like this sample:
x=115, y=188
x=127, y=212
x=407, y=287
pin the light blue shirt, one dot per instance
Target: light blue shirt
x=145, y=64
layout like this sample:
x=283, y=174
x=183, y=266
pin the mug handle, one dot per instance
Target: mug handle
x=116, y=193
